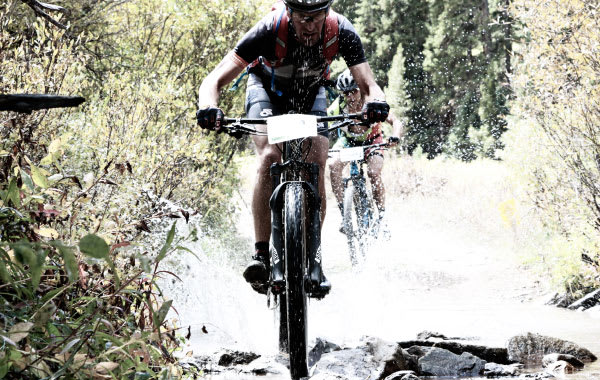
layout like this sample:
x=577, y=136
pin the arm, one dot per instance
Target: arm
x=398, y=129
x=363, y=76
x=397, y=125
x=226, y=71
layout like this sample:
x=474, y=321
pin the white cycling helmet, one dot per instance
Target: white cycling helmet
x=308, y=5
x=345, y=82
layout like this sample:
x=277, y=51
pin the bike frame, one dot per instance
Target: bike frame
x=357, y=177
x=357, y=200
x=293, y=174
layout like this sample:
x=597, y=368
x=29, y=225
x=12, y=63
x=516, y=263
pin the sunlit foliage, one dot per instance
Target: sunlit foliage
x=555, y=134
x=97, y=173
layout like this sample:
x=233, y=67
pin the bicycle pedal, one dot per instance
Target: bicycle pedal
x=277, y=287
x=319, y=291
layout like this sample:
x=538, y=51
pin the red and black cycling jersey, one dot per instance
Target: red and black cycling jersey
x=300, y=74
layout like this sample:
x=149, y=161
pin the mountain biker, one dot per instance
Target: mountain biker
x=351, y=101
x=280, y=83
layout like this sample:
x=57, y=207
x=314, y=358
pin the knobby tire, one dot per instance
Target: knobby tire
x=295, y=264
x=357, y=218
x=348, y=224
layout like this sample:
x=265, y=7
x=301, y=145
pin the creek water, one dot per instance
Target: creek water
x=451, y=266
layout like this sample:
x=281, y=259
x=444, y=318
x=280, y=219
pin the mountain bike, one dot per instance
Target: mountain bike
x=295, y=225
x=358, y=216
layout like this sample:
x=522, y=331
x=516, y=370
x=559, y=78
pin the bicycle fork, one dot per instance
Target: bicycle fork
x=313, y=231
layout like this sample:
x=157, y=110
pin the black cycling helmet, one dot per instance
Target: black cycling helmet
x=308, y=5
x=345, y=82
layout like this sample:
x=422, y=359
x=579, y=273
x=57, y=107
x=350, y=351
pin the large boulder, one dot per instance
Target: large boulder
x=530, y=349
x=440, y=362
x=489, y=354
x=349, y=364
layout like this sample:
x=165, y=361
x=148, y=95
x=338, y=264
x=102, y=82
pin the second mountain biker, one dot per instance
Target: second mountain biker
x=287, y=56
x=352, y=100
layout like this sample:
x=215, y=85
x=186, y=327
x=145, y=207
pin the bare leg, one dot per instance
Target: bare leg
x=375, y=164
x=266, y=155
x=318, y=155
x=335, y=173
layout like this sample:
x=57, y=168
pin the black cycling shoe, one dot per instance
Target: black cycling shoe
x=319, y=292
x=317, y=286
x=257, y=272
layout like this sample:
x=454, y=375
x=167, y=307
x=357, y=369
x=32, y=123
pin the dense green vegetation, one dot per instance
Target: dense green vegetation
x=100, y=174
x=554, y=138
x=82, y=190
x=455, y=64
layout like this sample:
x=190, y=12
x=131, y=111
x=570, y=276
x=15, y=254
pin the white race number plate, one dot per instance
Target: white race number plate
x=290, y=127
x=351, y=154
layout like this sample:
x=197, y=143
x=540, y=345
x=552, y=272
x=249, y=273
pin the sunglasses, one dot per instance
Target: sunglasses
x=346, y=93
x=304, y=18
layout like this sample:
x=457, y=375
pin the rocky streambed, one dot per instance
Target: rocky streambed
x=429, y=355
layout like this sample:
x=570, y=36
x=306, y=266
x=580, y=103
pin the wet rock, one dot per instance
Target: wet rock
x=403, y=375
x=418, y=351
x=489, y=354
x=588, y=301
x=560, y=368
x=495, y=369
x=552, y=358
x=379, y=348
x=531, y=348
x=425, y=335
x=230, y=357
x=266, y=366
x=390, y=356
x=440, y=362
x=349, y=364
x=420, y=343
x=436, y=336
x=561, y=300
x=320, y=347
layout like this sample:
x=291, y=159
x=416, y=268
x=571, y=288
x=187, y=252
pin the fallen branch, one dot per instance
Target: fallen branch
x=31, y=102
x=39, y=7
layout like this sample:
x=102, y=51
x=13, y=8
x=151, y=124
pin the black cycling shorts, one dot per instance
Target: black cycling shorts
x=261, y=103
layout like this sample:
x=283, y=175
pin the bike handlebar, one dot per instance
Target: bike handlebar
x=240, y=126
x=378, y=145
x=320, y=119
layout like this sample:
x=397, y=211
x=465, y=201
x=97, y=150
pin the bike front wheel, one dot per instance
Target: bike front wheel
x=295, y=270
x=357, y=219
x=349, y=223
